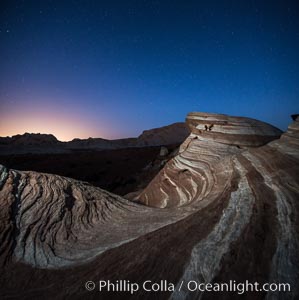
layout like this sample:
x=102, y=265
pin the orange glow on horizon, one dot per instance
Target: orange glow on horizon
x=63, y=128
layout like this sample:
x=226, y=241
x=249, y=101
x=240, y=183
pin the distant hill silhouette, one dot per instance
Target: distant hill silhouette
x=175, y=133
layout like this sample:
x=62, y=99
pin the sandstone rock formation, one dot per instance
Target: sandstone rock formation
x=213, y=137
x=231, y=214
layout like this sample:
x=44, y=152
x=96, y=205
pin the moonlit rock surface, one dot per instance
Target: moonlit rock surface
x=229, y=130
x=225, y=211
x=190, y=174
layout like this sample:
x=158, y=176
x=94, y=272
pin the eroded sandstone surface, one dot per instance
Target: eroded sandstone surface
x=191, y=176
x=224, y=208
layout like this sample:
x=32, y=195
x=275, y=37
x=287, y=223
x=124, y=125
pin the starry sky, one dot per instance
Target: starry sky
x=114, y=68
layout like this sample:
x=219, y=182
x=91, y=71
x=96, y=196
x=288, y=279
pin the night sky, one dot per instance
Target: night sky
x=114, y=68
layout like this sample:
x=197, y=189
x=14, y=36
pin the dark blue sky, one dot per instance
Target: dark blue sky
x=115, y=68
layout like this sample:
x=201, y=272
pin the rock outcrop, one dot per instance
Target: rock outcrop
x=30, y=143
x=190, y=174
x=233, y=215
x=237, y=131
x=29, y=139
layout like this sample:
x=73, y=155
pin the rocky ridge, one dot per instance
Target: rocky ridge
x=45, y=143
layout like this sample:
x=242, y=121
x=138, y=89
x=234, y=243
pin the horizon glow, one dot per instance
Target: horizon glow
x=79, y=69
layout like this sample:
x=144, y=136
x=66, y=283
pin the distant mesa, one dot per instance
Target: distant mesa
x=47, y=143
x=29, y=139
x=166, y=135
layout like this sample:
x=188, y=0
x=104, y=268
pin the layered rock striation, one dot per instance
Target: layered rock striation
x=190, y=175
x=223, y=211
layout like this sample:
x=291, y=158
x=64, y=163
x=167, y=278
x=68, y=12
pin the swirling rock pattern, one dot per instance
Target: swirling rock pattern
x=226, y=208
x=190, y=175
x=54, y=220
